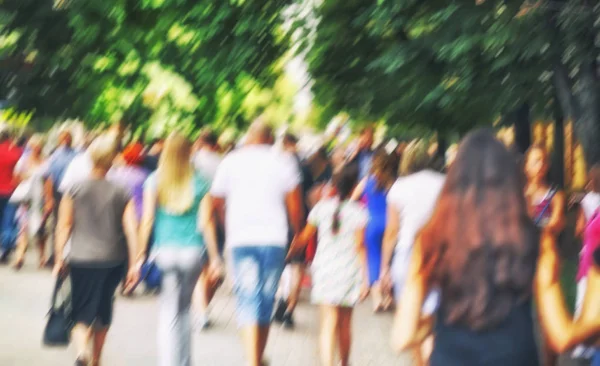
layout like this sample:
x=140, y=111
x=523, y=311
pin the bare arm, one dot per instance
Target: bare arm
x=295, y=210
x=407, y=330
x=63, y=227
x=359, y=190
x=148, y=214
x=362, y=253
x=390, y=238
x=560, y=330
x=208, y=227
x=218, y=206
x=130, y=226
x=556, y=223
x=580, y=226
x=302, y=239
x=49, y=195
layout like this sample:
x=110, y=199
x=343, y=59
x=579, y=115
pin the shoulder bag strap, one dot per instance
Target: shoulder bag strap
x=548, y=199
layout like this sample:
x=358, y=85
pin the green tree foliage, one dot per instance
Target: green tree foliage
x=450, y=65
x=101, y=59
x=444, y=65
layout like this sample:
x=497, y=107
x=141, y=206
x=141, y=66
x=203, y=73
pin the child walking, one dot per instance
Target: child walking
x=339, y=267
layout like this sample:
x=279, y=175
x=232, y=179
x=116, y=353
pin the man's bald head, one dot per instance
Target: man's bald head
x=259, y=133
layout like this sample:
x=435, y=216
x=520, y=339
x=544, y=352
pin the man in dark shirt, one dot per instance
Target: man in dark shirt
x=363, y=155
x=285, y=307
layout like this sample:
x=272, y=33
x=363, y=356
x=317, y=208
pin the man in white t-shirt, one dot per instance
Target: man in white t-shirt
x=258, y=188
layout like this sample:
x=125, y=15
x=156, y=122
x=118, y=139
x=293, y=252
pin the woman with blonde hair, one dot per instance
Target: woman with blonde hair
x=99, y=217
x=173, y=197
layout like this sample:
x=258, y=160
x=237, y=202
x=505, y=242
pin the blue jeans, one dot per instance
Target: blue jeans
x=257, y=270
x=181, y=268
x=596, y=359
x=8, y=226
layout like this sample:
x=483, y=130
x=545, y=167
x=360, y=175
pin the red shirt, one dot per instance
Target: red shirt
x=9, y=155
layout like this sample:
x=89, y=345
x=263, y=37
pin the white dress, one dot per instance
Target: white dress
x=336, y=268
x=31, y=216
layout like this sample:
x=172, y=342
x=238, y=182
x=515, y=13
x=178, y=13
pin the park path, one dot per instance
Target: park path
x=24, y=299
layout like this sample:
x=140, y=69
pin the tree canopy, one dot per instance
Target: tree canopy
x=452, y=65
x=105, y=60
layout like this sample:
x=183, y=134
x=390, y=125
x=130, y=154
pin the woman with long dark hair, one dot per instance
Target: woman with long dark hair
x=484, y=253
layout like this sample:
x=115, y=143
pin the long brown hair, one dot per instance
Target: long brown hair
x=480, y=246
x=175, y=175
x=384, y=168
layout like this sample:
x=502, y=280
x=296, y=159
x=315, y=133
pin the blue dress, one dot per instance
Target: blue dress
x=377, y=207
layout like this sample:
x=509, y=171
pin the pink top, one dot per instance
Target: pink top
x=591, y=241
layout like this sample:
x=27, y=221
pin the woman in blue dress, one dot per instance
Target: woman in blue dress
x=372, y=191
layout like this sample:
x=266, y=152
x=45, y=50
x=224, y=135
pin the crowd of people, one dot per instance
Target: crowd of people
x=465, y=254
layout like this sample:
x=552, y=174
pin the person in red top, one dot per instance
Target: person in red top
x=9, y=155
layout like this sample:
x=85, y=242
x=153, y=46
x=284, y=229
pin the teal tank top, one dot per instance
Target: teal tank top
x=179, y=229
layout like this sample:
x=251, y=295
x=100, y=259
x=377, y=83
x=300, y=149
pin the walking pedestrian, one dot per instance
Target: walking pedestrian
x=487, y=258
x=9, y=156
x=99, y=216
x=173, y=197
x=258, y=189
x=340, y=274
x=374, y=190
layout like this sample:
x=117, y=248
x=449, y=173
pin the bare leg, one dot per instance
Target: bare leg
x=426, y=349
x=344, y=333
x=41, y=243
x=22, y=242
x=81, y=335
x=263, y=336
x=99, y=339
x=252, y=344
x=377, y=297
x=327, y=339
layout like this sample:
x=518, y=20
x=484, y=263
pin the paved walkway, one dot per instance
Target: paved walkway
x=24, y=299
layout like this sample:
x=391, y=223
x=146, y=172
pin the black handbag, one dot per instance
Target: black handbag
x=58, y=329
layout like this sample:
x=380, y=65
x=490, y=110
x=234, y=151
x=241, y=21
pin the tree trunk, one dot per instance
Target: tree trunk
x=440, y=155
x=587, y=122
x=582, y=107
x=557, y=172
x=522, y=123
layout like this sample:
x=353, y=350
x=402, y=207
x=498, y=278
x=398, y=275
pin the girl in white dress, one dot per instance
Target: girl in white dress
x=339, y=267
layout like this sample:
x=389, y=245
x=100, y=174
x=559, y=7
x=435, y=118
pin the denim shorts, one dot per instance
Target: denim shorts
x=257, y=270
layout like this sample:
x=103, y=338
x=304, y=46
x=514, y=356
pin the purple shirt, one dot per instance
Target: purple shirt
x=132, y=178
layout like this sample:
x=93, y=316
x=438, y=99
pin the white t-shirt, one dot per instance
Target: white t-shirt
x=589, y=204
x=254, y=180
x=78, y=171
x=414, y=197
x=206, y=162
